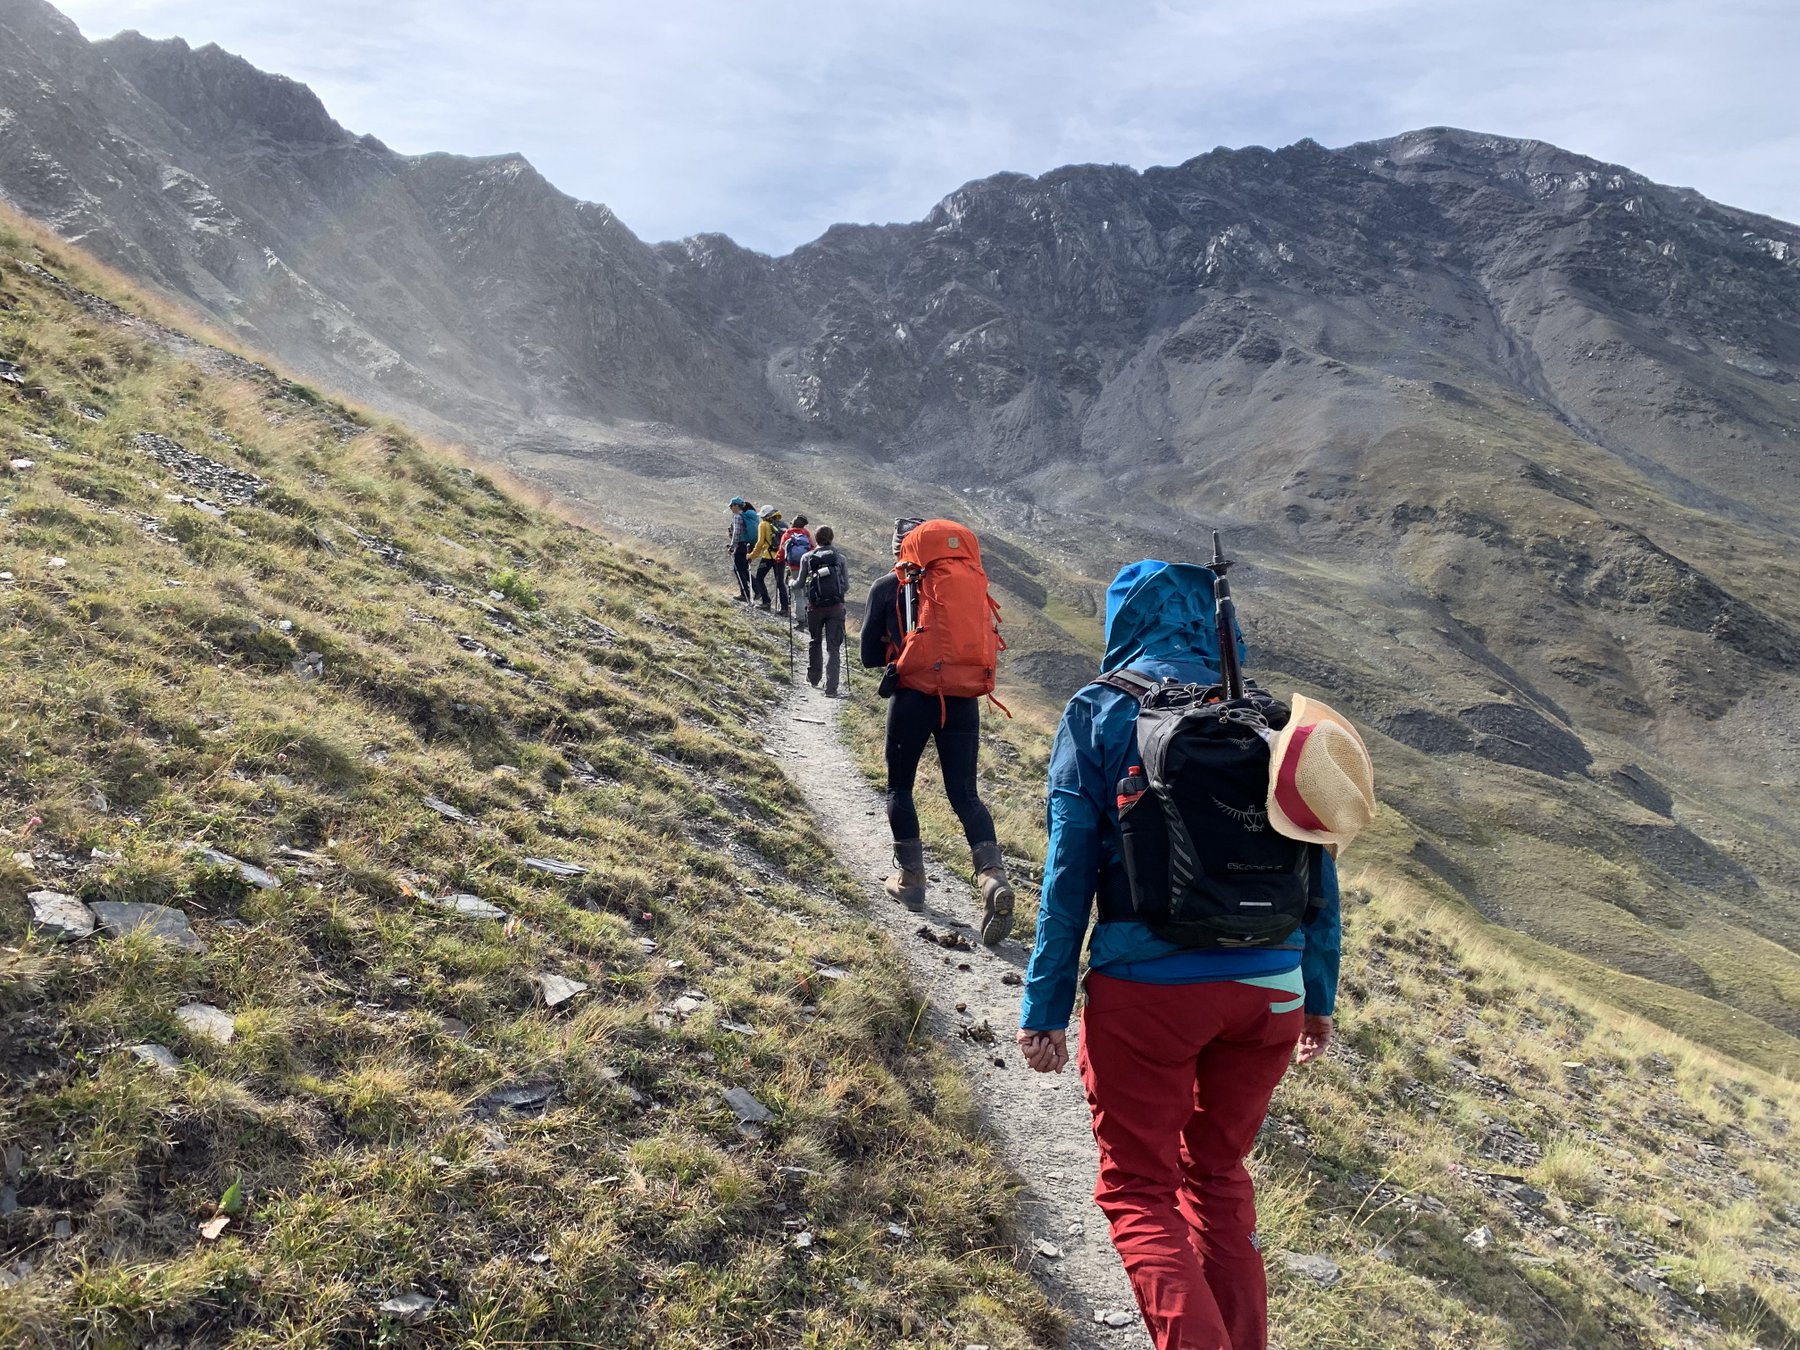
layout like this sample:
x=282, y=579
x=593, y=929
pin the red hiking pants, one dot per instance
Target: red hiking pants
x=1179, y=1078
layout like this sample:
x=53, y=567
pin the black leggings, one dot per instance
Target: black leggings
x=761, y=584
x=740, y=563
x=913, y=719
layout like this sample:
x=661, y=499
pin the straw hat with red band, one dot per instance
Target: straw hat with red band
x=1321, y=783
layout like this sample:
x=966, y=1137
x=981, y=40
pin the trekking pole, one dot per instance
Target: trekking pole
x=787, y=622
x=1225, y=620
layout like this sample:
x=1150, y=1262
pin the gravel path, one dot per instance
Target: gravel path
x=1041, y=1120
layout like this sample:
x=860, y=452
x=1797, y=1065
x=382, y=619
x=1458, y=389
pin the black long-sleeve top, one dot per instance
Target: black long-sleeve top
x=882, y=627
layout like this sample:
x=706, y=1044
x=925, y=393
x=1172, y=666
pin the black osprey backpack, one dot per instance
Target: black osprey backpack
x=1206, y=868
x=824, y=588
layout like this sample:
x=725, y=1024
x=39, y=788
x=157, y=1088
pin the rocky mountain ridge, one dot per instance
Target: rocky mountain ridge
x=1011, y=329
x=1505, y=434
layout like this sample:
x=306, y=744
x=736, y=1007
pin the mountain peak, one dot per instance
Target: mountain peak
x=220, y=94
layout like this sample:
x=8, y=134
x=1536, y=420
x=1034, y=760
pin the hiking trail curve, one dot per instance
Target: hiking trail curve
x=1040, y=1120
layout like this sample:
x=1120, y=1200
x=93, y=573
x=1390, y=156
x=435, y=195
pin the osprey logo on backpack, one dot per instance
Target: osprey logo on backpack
x=952, y=625
x=1204, y=873
x=1254, y=818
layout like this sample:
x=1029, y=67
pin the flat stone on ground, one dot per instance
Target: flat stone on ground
x=62, y=917
x=158, y=1057
x=119, y=917
x=555, y=867
x=203, y=1019
x=250, y=872
x=524, y=1098
x=1321, y=1270
x=448, y=812
x=408, y=1307
x=558, y=989
x=749, y=1110
x=473, y=906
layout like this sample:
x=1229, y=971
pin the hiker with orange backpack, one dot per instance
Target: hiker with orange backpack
x=931, y=623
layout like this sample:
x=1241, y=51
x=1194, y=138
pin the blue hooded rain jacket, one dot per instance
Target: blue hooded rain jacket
x=1160, y=621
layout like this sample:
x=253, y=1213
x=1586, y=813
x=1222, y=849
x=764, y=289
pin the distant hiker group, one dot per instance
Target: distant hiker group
x=811, y=578
x=1194, y=826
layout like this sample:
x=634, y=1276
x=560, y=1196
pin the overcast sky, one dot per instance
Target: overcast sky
x=771, y=119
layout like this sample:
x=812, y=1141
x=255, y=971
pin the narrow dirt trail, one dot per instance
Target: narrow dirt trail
x=1041, y=1120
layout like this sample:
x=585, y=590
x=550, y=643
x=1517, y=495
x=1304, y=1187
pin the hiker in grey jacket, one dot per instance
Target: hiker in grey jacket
x=825, y=582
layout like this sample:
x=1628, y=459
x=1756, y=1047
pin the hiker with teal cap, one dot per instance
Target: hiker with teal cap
x=745, y=526
x=1180, y=1047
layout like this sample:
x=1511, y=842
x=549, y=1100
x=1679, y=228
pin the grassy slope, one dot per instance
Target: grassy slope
x=150, y=706
x=1474, y=1061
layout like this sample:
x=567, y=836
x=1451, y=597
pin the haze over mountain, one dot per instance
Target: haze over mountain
x=1506, y=434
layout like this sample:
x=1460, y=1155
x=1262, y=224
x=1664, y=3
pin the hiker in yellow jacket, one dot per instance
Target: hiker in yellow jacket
x=767, y=557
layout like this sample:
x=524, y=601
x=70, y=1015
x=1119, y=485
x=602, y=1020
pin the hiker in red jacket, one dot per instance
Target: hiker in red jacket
x=795, y=543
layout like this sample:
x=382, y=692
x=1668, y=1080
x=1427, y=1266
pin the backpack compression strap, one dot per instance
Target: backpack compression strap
x=1128, y=681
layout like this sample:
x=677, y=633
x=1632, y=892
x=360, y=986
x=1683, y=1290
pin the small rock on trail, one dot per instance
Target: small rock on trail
x=448, y=812
x=555, y=867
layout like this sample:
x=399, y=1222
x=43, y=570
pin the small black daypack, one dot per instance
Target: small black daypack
x=824, y=587
x=1206, y=868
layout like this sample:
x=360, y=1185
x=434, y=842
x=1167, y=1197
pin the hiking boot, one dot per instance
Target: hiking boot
x=907, y=885
x=996, y=893
x=762, y=604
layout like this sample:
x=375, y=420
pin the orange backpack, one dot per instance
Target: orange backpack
x=953, y=642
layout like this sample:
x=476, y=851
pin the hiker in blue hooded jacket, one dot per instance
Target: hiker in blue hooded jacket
x=746, y=524
x=1160, y=621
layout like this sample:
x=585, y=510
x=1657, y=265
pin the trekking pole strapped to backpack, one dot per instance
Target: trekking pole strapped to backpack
x=1225, y=623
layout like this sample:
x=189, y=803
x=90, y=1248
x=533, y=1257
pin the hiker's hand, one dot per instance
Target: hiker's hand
x=1315, y=1036
x=1045, y=1051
